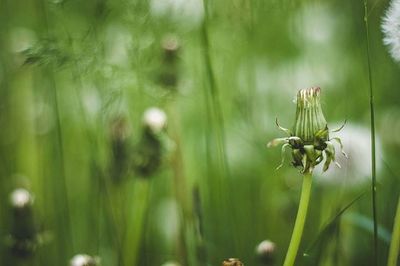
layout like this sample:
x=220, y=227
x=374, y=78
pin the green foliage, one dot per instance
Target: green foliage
x=70, y=70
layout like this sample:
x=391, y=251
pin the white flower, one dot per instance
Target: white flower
x=391, y=29
x=83, y=260
x=20, y=198
x=355, y=170
x=155, y=119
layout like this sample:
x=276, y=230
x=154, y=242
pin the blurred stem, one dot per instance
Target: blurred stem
x=214, y=92
x=181, y=193
x=373, y=159
x=136, y=217
x=217, y=125
x=395, y=243
x=300, y=220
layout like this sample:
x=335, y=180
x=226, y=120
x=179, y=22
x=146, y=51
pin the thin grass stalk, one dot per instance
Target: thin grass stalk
x=110, y=216
x=136, y=217
x=98, y=180
x=395, y=242
x=372, y=118
x=64, y=186
x=6, y=163
x=59, y=135
x=300, y=220
x=214, y=91
x=181, y=193
x=219, y=126
x=94, y=193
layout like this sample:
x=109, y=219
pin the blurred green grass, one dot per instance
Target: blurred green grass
x=95, y=60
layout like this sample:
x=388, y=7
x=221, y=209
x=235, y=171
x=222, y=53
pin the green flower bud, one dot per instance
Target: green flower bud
x=310, y=122
x=309, y=138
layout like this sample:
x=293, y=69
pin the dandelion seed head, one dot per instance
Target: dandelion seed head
x=265, y=246
x=20, y=198
x=355, y=170
x=266, y=252
x=391, y=29
x=155, y=119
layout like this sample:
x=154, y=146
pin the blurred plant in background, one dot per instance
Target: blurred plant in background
x=114, y=179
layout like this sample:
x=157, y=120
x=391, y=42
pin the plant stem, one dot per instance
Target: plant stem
x=373, y=159
x=137, y=217
x=300, y=220
x=214, y=92
x=395, y=243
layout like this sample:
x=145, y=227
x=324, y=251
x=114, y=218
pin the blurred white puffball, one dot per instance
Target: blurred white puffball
x=20, y=198
x=155, y=119
x=83, y=260
x=355, y=170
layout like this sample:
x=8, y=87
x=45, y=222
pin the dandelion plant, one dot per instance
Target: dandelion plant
x=390, y=28
x=310, y=143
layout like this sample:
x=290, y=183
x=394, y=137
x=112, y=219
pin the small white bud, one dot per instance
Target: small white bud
x=266, y=252
x=265, y=247
x=20, y=198
x=155, y=119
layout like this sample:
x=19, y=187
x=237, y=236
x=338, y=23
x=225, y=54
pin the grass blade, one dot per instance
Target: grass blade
x=372, y=117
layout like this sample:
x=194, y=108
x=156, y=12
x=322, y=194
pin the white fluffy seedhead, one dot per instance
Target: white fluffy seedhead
x=21, y=198
x=265, y=247
x=155, y=119
x=391, y=29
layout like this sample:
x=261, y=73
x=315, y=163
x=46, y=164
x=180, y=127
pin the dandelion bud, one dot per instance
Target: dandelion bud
x=119, y=134
x=155, y=119
x=309, y=138
x=266, y=252
x=309, y=117
x=232, y=262
x=23, y=237
x=21, y=198
x=84, y=260
x=148, y=153
x=170, y=45
x=168, y=75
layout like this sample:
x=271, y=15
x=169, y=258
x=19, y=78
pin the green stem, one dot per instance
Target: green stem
x=300, y=220
x=137, y=216
x=373, y=157
x=395, y=243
